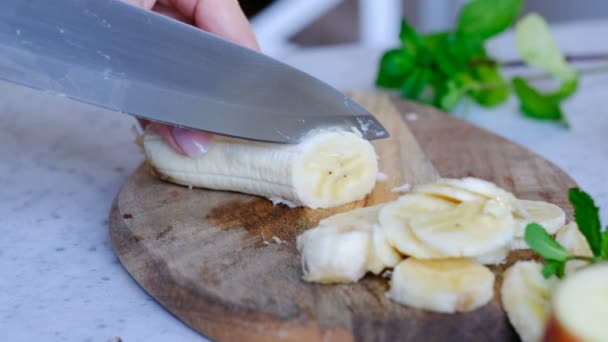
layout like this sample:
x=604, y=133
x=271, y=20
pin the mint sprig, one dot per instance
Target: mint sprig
x=442, y=68
x=586, y=215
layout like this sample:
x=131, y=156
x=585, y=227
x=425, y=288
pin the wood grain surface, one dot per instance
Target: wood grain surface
x=202, y=254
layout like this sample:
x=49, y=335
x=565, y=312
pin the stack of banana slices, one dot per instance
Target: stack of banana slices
x=437, y=239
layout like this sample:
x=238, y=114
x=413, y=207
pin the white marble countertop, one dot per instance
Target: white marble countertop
x=61, y=164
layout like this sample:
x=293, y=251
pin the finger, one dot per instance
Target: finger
x=222, y=17
x=170, y=11
x=189, y=142
x=147, y=4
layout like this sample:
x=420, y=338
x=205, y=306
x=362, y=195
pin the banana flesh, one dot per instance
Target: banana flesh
x=468, y=230
x=442, y=285
x=548, y=215
x=327, y=169
x=345, y=246
x=526, y=296
x=334, y=254
x=395, y=218
x=575, y=243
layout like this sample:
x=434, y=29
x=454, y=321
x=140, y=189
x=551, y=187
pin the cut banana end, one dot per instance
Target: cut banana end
x=444, y=285
x=327, y=169
x=394, y=222
x=526, y=299
x=334, y=254
x=548, y=215
x=575, y=243
x=469, y=230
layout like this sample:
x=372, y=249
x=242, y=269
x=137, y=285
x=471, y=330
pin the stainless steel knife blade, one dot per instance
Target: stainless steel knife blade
x=114, y=55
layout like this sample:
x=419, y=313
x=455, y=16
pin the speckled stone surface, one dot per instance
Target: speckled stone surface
x=61, y=164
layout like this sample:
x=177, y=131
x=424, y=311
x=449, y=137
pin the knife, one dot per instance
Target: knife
x=115, y=55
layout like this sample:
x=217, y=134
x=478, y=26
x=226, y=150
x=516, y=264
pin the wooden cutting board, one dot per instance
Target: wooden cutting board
x=202, y=253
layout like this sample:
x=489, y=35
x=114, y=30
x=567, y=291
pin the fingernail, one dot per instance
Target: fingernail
x=193, y=143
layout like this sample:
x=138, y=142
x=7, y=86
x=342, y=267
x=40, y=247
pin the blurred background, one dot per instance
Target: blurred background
x=284, y=25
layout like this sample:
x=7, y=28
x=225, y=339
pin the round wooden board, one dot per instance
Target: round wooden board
x=202, y=254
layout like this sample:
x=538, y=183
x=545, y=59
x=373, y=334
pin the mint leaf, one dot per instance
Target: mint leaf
x=486, y=18
x=492, y=90
x=537, y=47
x=550, y=268
x=586, y=215
x=561, y=270
x=410, y=38
x=604, y=246
x=394, y=66
x=567, y=88
x=542, y=243
x=449, y=96
x=438, y=45
x=415, y=83
x=536, y=105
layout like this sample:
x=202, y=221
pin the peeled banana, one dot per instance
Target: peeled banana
x=526, y=296
x=443, y=285
x=327, y=169
x=468, y=230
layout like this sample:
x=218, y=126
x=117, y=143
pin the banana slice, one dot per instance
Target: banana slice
x=526, y=299
x=326, y=169
x=321, y=264
x=471, y=229
x=361, y=218
x=575, y=243
x=447, y=192
x=444, y=285
x=548, y=215
x=334, y=254
x=518, y=243
x=394, y=222
x=496, y=257
x=386, y=254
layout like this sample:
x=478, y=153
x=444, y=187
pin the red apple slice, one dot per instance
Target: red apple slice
x=580, y=307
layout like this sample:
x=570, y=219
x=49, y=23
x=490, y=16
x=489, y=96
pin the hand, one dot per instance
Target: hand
x=222, y=17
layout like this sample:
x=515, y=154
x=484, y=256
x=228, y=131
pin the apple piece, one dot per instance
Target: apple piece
x=580, y=307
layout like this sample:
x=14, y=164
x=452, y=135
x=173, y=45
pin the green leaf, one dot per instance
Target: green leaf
x=566, y=89
x=492, y=88
x=542, y=243
x=415, y=83
x=451, y=95
x=586, y=215
x=394, y=66
x=604, y=246
x=486, y=18
x=537, y=47
x=535, y=104
x=550, y=268
x=561, y=270
x=410, y=38
x=438, y=46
